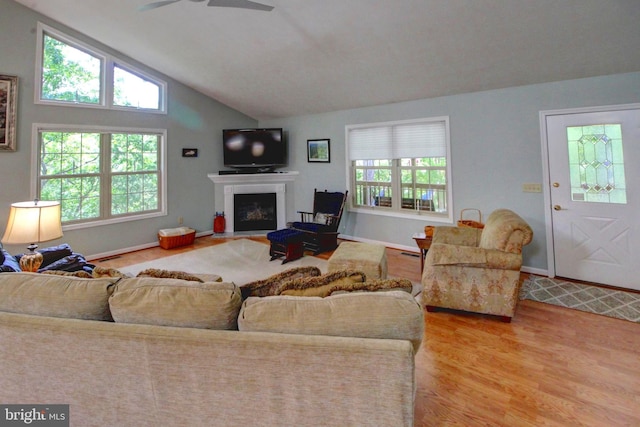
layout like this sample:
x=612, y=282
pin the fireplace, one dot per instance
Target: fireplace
x=255, y=211
x=253, y=193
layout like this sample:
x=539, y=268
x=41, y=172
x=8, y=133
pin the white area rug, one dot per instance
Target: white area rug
x=239, y=261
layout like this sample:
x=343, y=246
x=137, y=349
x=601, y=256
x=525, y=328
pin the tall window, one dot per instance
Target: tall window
x=400, y=167
x=100, y=175
x=73, y=73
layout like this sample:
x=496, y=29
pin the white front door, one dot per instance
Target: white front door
x=594, y=193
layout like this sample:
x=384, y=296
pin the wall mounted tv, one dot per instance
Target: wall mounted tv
x=258, y=149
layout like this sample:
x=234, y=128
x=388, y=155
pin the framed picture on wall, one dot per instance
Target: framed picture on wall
x=318, y=150
x=8, y=99
x=189, y=152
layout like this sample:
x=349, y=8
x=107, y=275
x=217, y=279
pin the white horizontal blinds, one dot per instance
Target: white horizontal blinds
x=372, y=143
x=419, y=140
x=408, y=140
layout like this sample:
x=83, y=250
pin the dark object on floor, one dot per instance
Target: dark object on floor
x=320, y=227
x=286, y=243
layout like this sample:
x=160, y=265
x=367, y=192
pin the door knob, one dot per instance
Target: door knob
x=556, y=184
x=557, y=207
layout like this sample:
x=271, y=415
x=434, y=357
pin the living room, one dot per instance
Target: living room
x=498, y=129
x=495, y=144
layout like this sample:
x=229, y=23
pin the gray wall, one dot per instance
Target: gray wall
x=194, y=121
x=495, y=148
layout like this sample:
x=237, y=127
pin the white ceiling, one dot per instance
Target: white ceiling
x=314, y=56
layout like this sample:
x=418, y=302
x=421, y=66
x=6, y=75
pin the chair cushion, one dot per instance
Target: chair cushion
x=312, y=227
x=328, y=202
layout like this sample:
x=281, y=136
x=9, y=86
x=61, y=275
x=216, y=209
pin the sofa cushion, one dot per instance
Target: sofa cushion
x=56, y=296
x=390, y=315
x=173, y=302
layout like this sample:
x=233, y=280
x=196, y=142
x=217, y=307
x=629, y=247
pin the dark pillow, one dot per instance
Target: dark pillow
x=54, y=253
x=9, y=263
x=73, y=262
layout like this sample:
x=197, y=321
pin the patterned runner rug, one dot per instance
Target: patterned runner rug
x=592, y=299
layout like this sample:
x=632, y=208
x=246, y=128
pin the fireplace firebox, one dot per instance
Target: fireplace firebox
x=256, y=211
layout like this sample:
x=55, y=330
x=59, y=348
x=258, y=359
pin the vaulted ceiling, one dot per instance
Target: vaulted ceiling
x=314, y=56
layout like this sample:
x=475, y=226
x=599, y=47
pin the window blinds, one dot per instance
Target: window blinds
x=397, y=141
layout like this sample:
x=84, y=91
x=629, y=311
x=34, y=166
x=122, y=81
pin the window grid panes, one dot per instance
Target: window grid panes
x=70, y=173
x=402, y=184
x=74, y=167
x=596, y=163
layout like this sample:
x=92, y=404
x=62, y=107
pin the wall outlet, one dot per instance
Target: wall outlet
x=532, y=187
x=180, y=220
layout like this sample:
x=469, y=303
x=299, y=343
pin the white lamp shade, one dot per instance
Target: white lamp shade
x=33, y=222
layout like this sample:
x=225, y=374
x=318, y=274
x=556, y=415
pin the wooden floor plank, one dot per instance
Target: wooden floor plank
x=551, y=366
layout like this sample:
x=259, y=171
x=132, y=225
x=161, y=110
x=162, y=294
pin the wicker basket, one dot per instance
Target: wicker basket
x=468, y=223
x=428, y=230
x=169, y=242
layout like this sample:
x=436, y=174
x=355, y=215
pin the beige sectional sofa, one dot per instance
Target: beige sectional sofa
x=153, y=352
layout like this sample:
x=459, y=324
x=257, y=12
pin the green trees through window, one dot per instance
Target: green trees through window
x=73, y=73
x=69, y=74
x=100, y=175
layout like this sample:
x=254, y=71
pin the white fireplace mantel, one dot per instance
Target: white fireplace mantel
x=246, y=178
x=254, y=183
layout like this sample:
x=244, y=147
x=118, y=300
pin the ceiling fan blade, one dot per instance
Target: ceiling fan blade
x=156, y=5
x=240, y=4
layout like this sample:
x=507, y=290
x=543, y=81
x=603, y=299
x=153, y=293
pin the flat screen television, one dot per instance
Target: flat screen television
x=254, y=148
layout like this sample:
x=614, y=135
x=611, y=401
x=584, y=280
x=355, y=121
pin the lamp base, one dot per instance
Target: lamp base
x=31, y=261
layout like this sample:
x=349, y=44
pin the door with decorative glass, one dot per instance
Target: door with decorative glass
x=593, y=165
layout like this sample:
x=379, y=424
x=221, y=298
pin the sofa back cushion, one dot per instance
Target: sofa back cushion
x=390, y=315
x=56, y=296
x=505, y=231
x=173, y=302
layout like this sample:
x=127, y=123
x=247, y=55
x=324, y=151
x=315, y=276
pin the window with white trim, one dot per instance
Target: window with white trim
x=72, y=73
x=400, y=167
x=97, y=175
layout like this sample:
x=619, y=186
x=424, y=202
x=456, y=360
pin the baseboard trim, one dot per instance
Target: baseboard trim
x=141, y=247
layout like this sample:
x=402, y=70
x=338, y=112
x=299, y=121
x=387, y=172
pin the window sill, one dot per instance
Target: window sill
x=415, y=215
x=98, y=223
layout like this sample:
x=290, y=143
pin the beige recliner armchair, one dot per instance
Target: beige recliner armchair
x=477, y=270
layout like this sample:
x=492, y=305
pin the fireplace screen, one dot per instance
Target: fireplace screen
x=254, y=212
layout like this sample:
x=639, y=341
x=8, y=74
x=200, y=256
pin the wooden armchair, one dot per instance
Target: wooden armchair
x=321, y=225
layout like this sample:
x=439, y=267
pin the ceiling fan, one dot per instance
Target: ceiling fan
x=239, y=4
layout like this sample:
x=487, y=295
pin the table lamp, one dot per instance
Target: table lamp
x=32, y=222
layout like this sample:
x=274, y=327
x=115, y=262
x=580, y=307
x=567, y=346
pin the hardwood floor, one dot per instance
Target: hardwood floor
x=550, y=366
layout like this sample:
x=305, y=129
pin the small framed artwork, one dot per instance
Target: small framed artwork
x=318, y=150
x=189, y=152
x=8, y=99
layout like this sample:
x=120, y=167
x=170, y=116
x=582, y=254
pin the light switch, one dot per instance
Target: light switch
x=532, y=187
